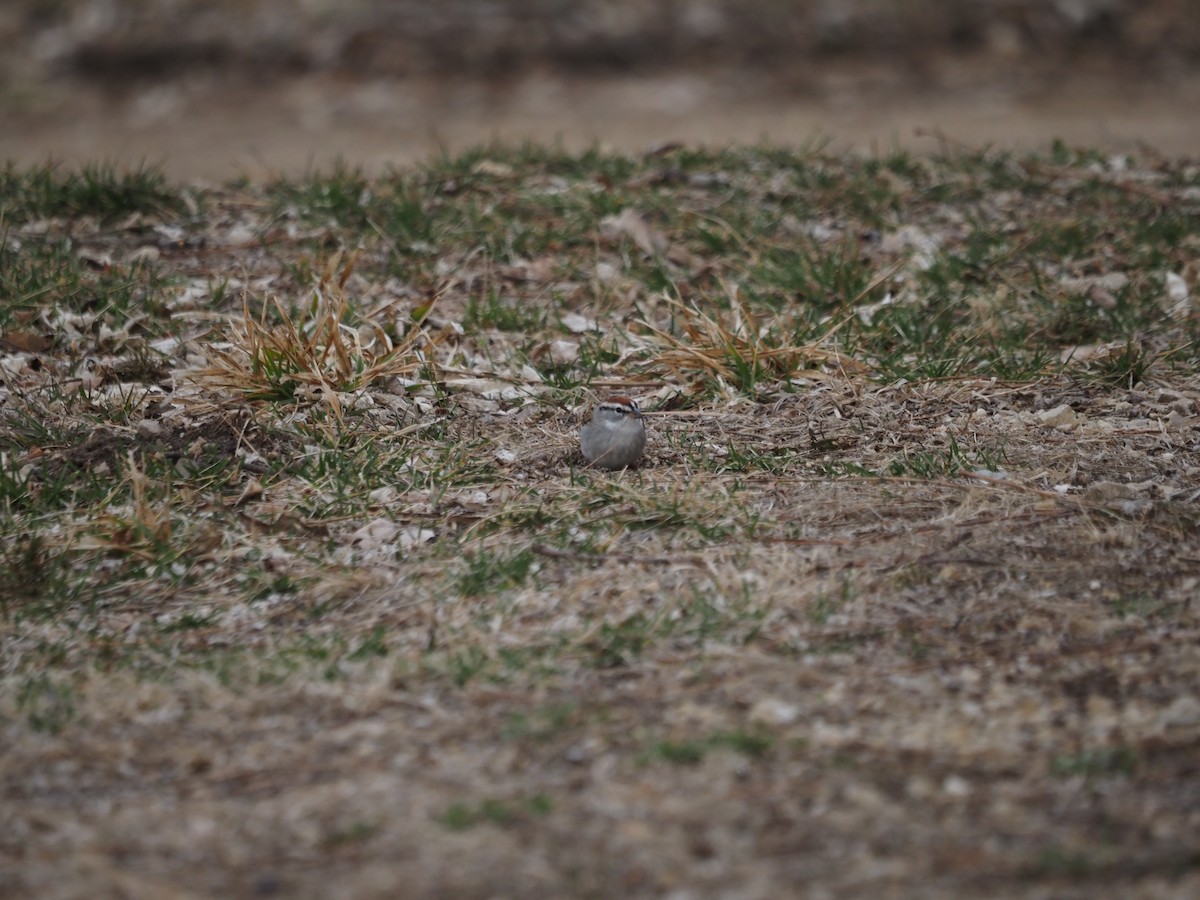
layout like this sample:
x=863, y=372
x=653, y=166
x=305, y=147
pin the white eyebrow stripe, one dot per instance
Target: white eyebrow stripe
x=622, y=408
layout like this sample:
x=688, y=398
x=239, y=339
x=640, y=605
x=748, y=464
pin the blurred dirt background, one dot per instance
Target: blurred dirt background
x=216, y=88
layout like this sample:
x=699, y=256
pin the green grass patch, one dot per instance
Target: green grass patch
x=100, y=190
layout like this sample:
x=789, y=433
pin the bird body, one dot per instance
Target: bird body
x=616, y=435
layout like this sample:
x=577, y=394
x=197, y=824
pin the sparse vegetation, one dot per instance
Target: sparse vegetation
x=298, y=525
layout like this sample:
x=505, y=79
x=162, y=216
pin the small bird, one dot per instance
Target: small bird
x=616, y=436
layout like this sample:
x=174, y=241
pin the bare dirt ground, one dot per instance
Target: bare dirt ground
x=844, y=633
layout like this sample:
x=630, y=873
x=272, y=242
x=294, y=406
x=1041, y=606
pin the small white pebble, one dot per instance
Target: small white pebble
x=956, y=786
x=149, y=428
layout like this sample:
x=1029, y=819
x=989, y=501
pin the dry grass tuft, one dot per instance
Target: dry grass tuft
x=740, y=348
x=322, y=351
x=141, y=528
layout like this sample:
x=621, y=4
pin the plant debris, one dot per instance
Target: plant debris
x=305, y=589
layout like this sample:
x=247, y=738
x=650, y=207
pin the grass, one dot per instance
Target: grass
x=300, y=526
x=488, y=573
x=691, y=752
x=460, y=816
x=96, y=190
x=1093, y=763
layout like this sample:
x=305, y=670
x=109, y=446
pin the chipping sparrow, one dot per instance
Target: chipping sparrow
x=616, y=436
